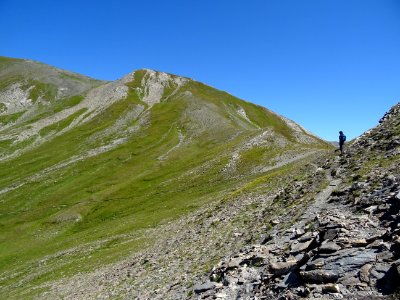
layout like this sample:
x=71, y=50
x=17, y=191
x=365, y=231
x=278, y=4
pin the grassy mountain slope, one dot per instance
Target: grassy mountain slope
x=89, y=168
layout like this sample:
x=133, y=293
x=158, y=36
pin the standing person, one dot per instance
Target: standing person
x=342, y=139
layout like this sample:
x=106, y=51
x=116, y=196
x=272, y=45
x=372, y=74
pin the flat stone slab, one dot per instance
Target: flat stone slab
x=280, y=268
x=201, y=288
x=329, y=247
x=347, y=260
x=299, y=247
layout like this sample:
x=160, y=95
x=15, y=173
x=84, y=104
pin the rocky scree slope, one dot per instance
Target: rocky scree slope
x=93, y=173
x=345, y=245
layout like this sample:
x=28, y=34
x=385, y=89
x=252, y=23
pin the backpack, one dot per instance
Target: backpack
x=342, y=138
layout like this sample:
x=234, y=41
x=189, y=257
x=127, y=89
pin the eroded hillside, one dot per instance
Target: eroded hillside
x=95, y=175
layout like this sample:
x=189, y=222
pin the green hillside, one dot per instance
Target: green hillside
x=88, y=168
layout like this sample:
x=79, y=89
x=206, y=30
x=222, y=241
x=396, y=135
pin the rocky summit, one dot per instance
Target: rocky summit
x=156, y=186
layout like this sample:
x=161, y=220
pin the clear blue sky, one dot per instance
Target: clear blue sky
x=329, y=65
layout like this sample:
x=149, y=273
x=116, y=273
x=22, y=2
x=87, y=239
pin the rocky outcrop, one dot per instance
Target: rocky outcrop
x=345, y=245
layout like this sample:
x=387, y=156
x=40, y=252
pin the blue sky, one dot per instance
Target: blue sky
x=329, y=65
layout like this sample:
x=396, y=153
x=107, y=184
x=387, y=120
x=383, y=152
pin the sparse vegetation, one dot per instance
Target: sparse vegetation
x=62, y=124
x=3, y=107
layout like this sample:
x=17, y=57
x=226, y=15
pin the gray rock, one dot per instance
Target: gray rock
x=302, y=258
x=334, y=226
x=347, y=260
x=379, y=270
x=264, y=239
x=300, y=246
x=290, y=279
x=330, y=234
x=376, y=236
x=375, y=244
x=201, y=288
x=350, y=280
x=329, y=247
x=385, y=256
x=306, y=237
x=298, y=233
x=234, y=263
x=396, y=265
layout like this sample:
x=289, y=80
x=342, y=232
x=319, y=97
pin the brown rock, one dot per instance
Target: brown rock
x=364, y=273
x=353, y=281
x=330, y=288
x=319, y=276
x=316, y=264
x=274, y=222
x=280, y=268
x=359, y=243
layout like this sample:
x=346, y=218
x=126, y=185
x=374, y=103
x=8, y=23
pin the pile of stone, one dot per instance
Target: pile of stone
x=339, y=254
x=383, y=139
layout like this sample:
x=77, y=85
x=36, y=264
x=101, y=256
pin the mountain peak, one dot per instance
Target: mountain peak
x=88, y=168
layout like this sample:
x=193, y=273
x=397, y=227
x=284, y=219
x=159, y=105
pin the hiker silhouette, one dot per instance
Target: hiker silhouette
x=342, y=139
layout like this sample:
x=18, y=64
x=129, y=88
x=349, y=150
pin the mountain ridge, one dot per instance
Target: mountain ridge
x=156, y=186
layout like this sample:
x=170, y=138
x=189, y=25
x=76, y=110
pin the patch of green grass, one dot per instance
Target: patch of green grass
x=11, y=118
x=5, y=143
x=38, y=89
x=44, y=111
x=3, y=107
x=68, y=102
x=9, y=80
x=259, y=156
x=77, y=78
x=148, y=195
